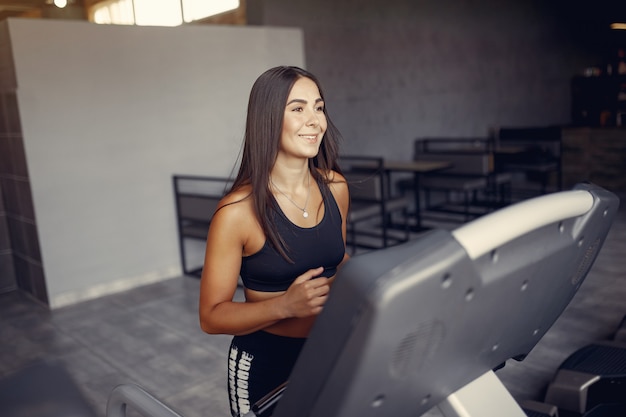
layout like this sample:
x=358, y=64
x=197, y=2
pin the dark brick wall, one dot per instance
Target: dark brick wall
x=20, y=257
x=395, y=70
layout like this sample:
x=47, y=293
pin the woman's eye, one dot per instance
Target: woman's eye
x=297, y=109
x=320, y=108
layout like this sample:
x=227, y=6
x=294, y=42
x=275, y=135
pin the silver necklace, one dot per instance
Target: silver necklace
x=305, y=213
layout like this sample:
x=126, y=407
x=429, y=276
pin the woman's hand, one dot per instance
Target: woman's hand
x=306, y=295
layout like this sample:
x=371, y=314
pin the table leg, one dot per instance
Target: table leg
x=416, y=189
x=418, y=209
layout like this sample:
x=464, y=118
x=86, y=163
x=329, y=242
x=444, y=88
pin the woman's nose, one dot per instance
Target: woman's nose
x=313, y=120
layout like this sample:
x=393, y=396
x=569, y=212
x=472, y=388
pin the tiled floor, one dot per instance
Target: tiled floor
x=150, y=336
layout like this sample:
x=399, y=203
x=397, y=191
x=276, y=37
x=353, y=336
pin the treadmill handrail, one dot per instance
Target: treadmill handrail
x=528, y=215
x=137, y=398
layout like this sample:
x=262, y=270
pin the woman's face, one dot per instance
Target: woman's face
x=304, y=122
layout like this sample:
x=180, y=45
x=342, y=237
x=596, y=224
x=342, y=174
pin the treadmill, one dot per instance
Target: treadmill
x=426, y=323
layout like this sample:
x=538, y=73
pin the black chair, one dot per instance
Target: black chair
x=537, y=159
x=472, y=176
x=372, y=207
x=196, y=198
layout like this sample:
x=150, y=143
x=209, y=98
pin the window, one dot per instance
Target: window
x=157, y=12
x=199, y=9
x=118, y=12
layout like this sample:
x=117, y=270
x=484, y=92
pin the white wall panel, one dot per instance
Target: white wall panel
x=108, y=114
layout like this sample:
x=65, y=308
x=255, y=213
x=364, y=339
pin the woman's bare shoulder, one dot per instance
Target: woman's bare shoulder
x=336, y=177
x=242, y=193
x=336, y=181
x=236, y=205
x=339, y=187
x=332, y=176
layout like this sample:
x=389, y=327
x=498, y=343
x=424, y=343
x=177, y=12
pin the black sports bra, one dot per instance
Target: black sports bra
x=308, y=248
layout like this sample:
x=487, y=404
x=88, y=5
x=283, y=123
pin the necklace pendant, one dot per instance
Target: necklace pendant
x=305, y=214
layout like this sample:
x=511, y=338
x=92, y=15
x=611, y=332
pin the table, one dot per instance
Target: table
x=417, y=168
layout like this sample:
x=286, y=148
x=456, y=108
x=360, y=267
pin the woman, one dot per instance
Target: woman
x=282, y=228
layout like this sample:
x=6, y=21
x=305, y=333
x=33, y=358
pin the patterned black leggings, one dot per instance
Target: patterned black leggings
x=258, y=363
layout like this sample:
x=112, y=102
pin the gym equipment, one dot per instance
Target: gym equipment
x=538, y=409
x=139, y=399
x=593, y=376
x=425, y=323
x=620, y=333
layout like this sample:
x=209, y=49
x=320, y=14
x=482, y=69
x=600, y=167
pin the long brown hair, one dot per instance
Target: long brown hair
x=266, y=107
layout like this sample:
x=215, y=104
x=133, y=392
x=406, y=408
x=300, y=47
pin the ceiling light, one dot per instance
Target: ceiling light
x=60, y=3
x=618, y=26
